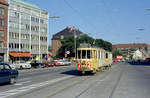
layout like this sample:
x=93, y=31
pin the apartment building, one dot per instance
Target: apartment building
x=28, y=31
x=65, y=33
x=3, y=30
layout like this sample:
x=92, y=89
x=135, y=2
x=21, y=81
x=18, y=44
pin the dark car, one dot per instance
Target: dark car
x=36, y=64
x=7, y=74
x=147, y=61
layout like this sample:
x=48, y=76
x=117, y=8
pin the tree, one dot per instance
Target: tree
x=68, y=44
x=103, y=44
x=116, y=53
x=49, y=48
x=84, y=39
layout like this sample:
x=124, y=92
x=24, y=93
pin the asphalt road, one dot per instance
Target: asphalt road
x=122, y=81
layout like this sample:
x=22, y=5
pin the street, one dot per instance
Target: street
x=121, y=81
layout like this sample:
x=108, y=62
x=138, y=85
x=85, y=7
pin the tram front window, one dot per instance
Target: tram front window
x=88, y=54
x=83, y=54
x=79, y=54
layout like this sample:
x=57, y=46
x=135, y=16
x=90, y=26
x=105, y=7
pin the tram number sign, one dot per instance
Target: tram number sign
x=88, y=64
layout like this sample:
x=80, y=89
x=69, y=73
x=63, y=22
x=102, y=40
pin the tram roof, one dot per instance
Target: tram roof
x=90, y=48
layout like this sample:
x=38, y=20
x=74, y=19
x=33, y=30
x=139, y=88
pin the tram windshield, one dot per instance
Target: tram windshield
x=84, y=54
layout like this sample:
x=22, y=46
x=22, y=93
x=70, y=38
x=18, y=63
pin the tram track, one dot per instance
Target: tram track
x=117, y=83
x=68, y=87
x=87, y=78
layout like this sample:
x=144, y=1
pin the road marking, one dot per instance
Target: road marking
x=30, y=87
x=21, y=83
x=24, y=79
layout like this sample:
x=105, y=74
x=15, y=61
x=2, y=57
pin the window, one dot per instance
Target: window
x=37, y=20
x=1, y=22
x=11, y=45
x=17, y=45
x=27, y=27
x=1, y=11
x=1, y=67
x=7, y=67
x=1, y=33
x=106, y=55
x=23, y=26
x=41, y=21
x=88, y=54
x=83, y=54
x=32, y=19
x=17, y=14
x=21, y=46
x=79, y=54
x=1, y=44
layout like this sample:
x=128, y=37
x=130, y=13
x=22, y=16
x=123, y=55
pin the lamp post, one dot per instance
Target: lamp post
x=53, y=17
x=74, y=32
x=75, y=43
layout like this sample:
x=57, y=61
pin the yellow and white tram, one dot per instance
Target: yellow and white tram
x=93, y=59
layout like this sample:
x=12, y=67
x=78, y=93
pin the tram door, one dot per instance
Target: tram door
x=95, y=61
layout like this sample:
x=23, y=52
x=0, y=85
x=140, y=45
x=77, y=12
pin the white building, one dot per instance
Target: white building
x=27, y=31
x=137, y=55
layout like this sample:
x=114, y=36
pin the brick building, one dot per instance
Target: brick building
x=56, y=43
x=129, y=49
x=3, y=30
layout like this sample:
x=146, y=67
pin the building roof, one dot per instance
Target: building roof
x=3, y=2
x=25, y=3
x=134, y=45
x=66, y=33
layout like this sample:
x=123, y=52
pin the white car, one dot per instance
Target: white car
x=12, y=66
x=22, y=65
x=62, y=62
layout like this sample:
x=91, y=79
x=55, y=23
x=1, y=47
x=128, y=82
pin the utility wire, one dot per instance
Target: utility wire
x=81, y=16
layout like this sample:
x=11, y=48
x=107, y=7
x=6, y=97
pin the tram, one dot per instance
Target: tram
x=93, y=59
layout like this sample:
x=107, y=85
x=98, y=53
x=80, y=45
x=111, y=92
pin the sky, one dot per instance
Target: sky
x=116, y=21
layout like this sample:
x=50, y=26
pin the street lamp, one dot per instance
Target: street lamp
x=53, y=17
x=74, y=32
x=148, y=9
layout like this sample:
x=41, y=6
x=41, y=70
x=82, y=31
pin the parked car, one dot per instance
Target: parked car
x=62, y=62
x=147, y=60
x=36, y=64
x=7, y=74
x=49, y=63
x=22, y=65
x=12, y=66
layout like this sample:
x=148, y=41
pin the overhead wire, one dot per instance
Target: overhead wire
x=81, y=16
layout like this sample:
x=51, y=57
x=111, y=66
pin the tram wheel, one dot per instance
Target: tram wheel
x=80, y=73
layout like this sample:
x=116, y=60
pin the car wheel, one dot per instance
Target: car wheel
x=12, y=80
x=21, y=67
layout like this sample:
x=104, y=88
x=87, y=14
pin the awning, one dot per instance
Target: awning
x=21, y=55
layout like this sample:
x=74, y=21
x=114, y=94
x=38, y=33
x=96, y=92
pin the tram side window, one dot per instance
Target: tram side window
x=106, y=55
x=79, y=54
x=88, y=54
x=83, y=54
